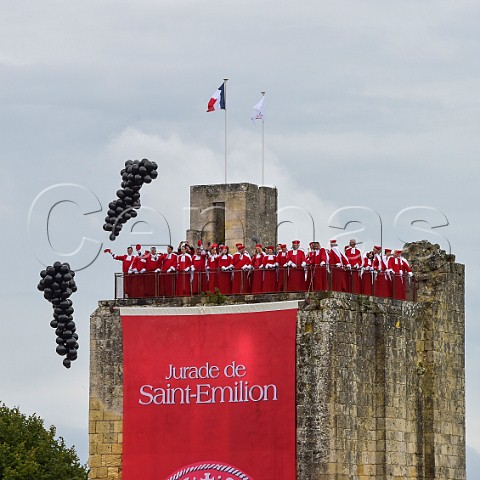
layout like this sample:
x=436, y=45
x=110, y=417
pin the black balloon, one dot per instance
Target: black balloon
x=57, y=283
x=134, y=175
x=61, y=349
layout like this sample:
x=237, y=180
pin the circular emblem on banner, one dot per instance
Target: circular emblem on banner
x=209, y=471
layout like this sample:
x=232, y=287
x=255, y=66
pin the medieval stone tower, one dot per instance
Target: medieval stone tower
x=380, y=383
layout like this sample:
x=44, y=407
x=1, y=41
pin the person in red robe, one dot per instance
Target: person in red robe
x=401, y=273
x=184, y=264
x=211, y=268
x=354, y=256
x=309, y=267
x=317, y=265
x=199, y=282
x=225, y=267
x=269, y=264
x=127, y=261
x=389, y=274
x=381, y=284
x=296, y=263
x=339, y=267
x=241, y=267
x=282, y=259
x=367, y=274
x=169, y=267
x=151, y=263
x=257, y=273
x=137, y=289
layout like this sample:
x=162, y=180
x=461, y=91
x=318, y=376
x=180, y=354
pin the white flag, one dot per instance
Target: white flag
x=259, y=110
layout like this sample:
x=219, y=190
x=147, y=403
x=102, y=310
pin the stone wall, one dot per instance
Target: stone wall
x=380, y=382
x=106, y=393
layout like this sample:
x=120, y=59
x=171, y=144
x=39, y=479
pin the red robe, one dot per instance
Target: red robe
x=317, y=270
x=382, y=286
x=211, y=267
x=269, y=284
x=282, y=258
x=136, y=281
x=153, y=262
x=225, y=267
x=167, y=282
x=297, y=262
x=367, y=276
x=340, y=277
x=241, y=276
x=401, y=269
x=184, y=263
x=199, y=278
x=150, y=264
x=257, y=274
x=127, y=261
x=354, y=257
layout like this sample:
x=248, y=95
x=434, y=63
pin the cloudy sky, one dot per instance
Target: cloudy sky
x=370, y=105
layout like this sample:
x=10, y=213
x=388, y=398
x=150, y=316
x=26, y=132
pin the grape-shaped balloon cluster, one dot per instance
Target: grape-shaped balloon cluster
x=134, y=175
x=57, y=284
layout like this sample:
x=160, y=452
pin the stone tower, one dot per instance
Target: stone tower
x=380, y=383
x=233, y=213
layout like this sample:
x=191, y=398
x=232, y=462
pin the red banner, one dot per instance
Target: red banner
x=209, y=393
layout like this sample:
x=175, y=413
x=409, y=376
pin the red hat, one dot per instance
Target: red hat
x=332, y=242
x=270, y=247
x=284, y=245
x=295, y=242
x=107, y=250
x=376, y=247
x=397, y=252
x=388, y=250
x=237, y=244
x=213, y=245
x=240, y=246
x=138, y=246
x=259, y=245
x=199, y=243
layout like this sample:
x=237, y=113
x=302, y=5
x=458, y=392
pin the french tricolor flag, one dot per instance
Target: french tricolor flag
x=217, y=102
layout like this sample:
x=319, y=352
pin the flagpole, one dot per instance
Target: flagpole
x=225, y=94
x=263, y=147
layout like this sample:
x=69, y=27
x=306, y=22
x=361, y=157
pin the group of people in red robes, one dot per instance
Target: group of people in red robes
x=196, y=270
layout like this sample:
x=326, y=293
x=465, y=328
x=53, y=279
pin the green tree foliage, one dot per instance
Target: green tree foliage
x=29, y=451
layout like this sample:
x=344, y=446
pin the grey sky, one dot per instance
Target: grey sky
x=372, y=104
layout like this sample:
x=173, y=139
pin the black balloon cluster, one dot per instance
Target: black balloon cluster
x=57, y=284
x=134, y=175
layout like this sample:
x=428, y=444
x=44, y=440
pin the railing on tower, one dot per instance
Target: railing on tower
x=251, y=282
